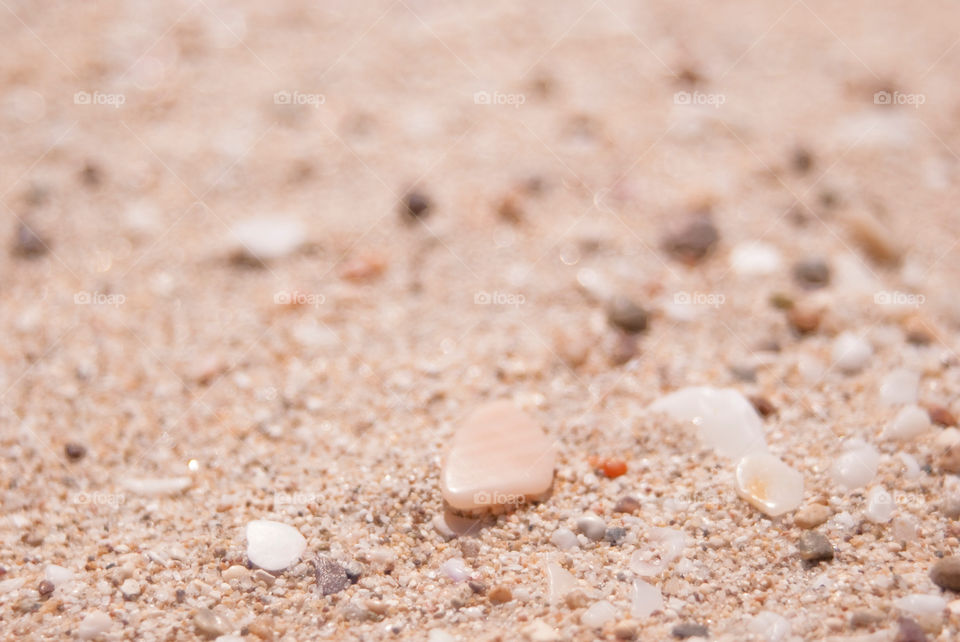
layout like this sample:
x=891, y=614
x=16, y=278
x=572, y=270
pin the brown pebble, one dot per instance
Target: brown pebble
x=624, y=349
x=909, y=631
x=628, y=316
x=499, y=594
x=804, y=318
x=875, y=239
x=917, y=331
x=510, y=208
x=811, y=516
x=415, y=205
x=46, y=587
x=627, y=504
x=366, y=266
x=690, y=630
x=946, y=573
x=576, y=599
x=626, y=630
x=762, y=405
x=941, y=416
x=814, y=547
x=811, y=273
x=477, y=587
x=781, y=301
x=864, y=619
x=91, y=175
x=802, y=160
x=28, y=243
x=694, y=241
x=75, y=451
x=948, y=460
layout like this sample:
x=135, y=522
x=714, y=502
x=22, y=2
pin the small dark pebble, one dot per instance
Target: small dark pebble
x=477, y=587
x=802, y=160
x=46, y=587
x=415, y=205
x=627, y=315
x=812, y=273
x=763, y=405
x=814, y=547
x=627, y=504
x=614, y=535
x=353, y=570
x=28, y=243
x=75, y=451
x=690, y=630
x=941, y=416
x=781, y=301
x=744, y=372
x=90, y=174
x=804, y=319
x=181, y=596
x=331, y=576
x=946, y=573
x=693, y=242
x=909, y=631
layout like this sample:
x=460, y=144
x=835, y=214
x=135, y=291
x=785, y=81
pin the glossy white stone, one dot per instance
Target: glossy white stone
x=755, y=258
x=850, y=353
x=899, y=387
x=499, y=456
x=879, y=505
x=768, y=484
x=273, y=546
x=559, y=582
x=725, y=419
x=856, y=466
x=645, y=599
x=268, y=238
x=909, y=423
x=598, y=614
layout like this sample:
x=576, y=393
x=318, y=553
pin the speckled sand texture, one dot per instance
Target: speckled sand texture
x=215, y=309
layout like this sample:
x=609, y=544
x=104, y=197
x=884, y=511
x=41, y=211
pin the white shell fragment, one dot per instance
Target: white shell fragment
x=726, y=420
x=598, y=614
x=156, y=485
x=910, y=423
x=268, y=238
x=755, y=258
x=560, y=582
x=499, y=456
x=644, y=599
x=273, y=546
x=769, y=484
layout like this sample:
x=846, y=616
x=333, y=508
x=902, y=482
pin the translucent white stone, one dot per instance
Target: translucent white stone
x=564, y=539
x=273, y=546
x=57, y=575
x=645, y=599
x=598, y=614
x=755, y=258
x=856, y=467
x=920, y=604
x=768, y=484
x=899, y=387
x=499, y=456
x=911, y=468
x=910, y=423
x=668, y=545
x=455, y=569
x=770, y=626
x=559, y=582
x=850, y=353
x=93, y=625
x=268, y=237
x=879, y=505
x=726, y=420
x=905, y=529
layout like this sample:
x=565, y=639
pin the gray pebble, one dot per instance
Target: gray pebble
x=946, y=573
x=627, y=315
x=615, y=535
x=690, y=630
x=814, y=547
x=811, y=273
x=331, y=576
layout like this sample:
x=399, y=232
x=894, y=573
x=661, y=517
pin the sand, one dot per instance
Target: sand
x=558, y=145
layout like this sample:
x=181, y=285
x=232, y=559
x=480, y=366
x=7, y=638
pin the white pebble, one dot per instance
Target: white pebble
x=564, y=539
x=592, y=526
x=850, y=353
x=559, y=582
x=57, y=575
x=726, y=420
x=156, y=485
x=856, y=467
x=268, y=238
x=911, y=468
x=273, y=546
x=598, y=614
x=439, y=635
x=920, y=604
x=644, y=599
x=768, y=484
x=755, y=258
x=770, y=626
x=130, y=588
x=899, y=387
x=455, y=569
x=879, y=505
x=94, y=624
x=910, y=423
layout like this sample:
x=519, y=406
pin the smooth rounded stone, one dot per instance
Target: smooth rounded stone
x=755, y=258
x=814, y=547
x=811, y=516
x=690, y=630
x=264, y=239
x=947, y=449
x=911, y=467
x=909, y=631
x=726, y=420
x=946, y=573
x=645, y=599
x=273, y=546
x=499, y=456
x=156, y=486
x=693, y=241
x=57, y=575
x=909, y=423
x=559, y=582
x=450, y=525
x=599, y=614
x=626, y=630
x=500, y=594
x=130, y=589
x=920, y=605
x=93, y=625
x=592, y=526
x=564, y=539
x=235, y=572
x=811, y=273
x=880, y=506
x=941, y=416
x=627, y=504
x=668, y=546
x=850, y=353
x=856, y=467
x=768, y=484
x=623, y=313
x=899, y=387
x=331, y=576
x=211, y=624
x=770, y=626
x=455, y=570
